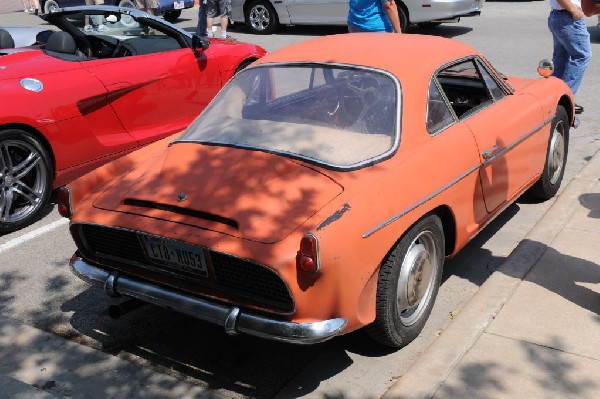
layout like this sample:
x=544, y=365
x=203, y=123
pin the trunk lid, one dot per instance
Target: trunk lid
x=247, y=194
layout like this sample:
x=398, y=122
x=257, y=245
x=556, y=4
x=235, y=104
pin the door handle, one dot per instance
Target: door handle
x=488, y=154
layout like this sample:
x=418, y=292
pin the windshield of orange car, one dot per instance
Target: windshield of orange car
x=336, y=115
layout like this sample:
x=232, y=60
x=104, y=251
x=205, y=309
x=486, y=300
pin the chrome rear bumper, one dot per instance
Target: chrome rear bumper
x=230, y=317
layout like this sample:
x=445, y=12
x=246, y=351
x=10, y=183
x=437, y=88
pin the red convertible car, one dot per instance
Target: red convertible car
x=90, y=94
x=321, y=190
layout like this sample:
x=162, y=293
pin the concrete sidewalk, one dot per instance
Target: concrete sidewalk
x=533, y=328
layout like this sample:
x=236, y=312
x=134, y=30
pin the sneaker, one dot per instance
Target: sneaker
x=223, y=35
x=578, y=109
x=102, y=28
x=88, y=28
x=210, y=34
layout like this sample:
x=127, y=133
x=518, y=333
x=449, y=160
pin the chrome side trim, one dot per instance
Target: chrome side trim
x=518, y=141
x=230, y=317
x=421, y=202
x=491, y=158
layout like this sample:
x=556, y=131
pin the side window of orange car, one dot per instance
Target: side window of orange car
x=465, y=88
x=493, y=87
x=439, y=115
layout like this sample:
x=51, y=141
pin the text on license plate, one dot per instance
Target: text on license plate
x=176, y=254
x=178, y=5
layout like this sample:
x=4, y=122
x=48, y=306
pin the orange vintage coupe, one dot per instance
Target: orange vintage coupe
x=322, y=189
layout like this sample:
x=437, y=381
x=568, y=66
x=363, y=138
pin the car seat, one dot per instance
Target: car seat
x=6, y=40
x=63, y=46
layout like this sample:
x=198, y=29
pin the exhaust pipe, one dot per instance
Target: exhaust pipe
x=116, y=311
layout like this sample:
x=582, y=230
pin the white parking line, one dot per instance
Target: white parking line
x=32, y=234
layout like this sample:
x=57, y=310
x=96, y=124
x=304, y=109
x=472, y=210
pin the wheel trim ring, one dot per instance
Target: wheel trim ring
x=425, y=242
x=38, y=186
x=556, y=153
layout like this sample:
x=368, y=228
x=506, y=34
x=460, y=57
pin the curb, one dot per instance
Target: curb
x=428, y=373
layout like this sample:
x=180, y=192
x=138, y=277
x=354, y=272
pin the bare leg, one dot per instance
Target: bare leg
x=209, y=25
x=224, y=22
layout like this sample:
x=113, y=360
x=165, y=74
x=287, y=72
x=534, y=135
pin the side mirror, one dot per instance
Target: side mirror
x=200, y=42
x=545, y=68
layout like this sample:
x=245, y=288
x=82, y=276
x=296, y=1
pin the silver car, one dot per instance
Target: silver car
x=24, y=36
x=265, y=16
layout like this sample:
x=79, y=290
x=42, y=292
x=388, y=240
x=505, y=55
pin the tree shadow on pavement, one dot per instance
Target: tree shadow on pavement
x=555, y=373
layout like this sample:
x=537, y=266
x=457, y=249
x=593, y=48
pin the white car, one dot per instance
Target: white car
x=265, y=16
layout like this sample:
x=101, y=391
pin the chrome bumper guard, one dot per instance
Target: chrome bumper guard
x=231, y=318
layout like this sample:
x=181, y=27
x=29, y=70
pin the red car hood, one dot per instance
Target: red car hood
x=248, y=194
x=31, y=62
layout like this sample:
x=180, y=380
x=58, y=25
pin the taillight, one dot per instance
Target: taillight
x=307, y=258
x=63, y=199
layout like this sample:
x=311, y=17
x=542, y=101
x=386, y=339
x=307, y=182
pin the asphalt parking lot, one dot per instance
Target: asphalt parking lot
x=38, y=290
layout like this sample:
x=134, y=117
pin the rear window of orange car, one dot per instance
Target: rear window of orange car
x=339, y=116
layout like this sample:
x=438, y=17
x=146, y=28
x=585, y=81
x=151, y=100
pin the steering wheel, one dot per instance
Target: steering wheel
x=84, y=46
x=123, y=50
x=331, y=103
x=359, y=95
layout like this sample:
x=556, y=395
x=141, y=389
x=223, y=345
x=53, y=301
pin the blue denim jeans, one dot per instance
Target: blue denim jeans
x=572, y=49
x=201, y=27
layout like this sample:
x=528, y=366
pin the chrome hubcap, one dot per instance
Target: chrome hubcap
x=556, y=152
x=23, y=180
x=417, y=276
x=259, y=17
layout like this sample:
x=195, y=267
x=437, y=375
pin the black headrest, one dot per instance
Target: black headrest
x=61, y=42
x=6, y=40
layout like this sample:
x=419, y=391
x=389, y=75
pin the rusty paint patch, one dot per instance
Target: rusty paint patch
x=336, y=216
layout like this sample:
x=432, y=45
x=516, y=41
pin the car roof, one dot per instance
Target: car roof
x=401, y=54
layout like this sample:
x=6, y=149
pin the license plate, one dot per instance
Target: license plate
x=178, y=5
x=176, y=254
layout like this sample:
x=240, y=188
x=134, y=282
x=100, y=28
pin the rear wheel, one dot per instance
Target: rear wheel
x=127, y=3
x=403, y=17
x=172, y=15
x=556, y=157
x=261, y=17
x=127, y=20
x=408, y=283
x=50, y=5
x=25, y=179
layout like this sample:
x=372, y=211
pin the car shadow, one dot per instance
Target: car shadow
x=193, y=350
x=448, y=30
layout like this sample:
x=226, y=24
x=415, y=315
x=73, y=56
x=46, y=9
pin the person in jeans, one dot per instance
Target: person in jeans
x=201, y=27
x=373, y=16
x=572, y=49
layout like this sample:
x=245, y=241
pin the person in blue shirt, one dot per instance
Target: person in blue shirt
x=373, y=16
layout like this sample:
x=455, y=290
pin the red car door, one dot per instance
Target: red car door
x=72, y=111
x=160, y=93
